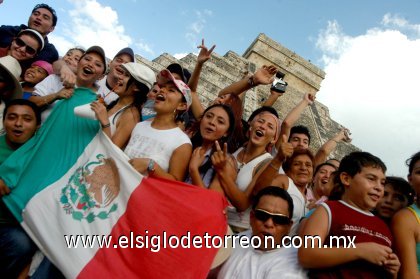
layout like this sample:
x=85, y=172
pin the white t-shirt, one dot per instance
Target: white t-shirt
x=246, y=263
x=49, y=85
x=106, y=92
x=148, y=142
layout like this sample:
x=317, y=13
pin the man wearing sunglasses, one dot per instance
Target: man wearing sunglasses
x=43, y=19
x=270, y=221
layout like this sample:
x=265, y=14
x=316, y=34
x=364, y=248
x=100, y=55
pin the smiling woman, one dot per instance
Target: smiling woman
x=25, y=46
x=159, y=147
x=90, y=69
x=120, y=117
x=216, y=124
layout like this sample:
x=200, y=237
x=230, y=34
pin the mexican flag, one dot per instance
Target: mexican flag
x=92, y=214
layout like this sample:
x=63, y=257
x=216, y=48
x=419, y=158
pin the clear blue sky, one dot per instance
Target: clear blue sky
x=369, y=50
x=231, y=25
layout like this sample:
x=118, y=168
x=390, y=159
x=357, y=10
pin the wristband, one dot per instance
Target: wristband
x=106, y=125
x=151, y=167
x=251, y=81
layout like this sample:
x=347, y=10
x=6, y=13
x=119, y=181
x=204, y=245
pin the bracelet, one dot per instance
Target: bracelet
x=274, y=167
x=251, y=81
x=106, y=125
x=151, y=167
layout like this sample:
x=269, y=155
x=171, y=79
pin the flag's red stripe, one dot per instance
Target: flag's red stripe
x=157, y=206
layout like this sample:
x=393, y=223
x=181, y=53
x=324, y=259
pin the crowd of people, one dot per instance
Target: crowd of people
x=275, y=184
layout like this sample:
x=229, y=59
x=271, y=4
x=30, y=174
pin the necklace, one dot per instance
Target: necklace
x=243, y=161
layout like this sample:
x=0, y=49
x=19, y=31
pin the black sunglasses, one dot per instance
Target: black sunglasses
x=28, y=49
x=278, y=218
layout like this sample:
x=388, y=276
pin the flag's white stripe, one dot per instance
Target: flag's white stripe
x=46, y=221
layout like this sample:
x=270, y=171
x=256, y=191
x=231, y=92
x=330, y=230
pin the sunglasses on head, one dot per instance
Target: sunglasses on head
x=278, y=218
x=28, y=49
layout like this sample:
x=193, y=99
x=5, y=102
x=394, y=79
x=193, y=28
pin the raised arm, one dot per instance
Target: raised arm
x=264, y=75
x=330, y=145
x=67, y=76
x=272, y=169
x=203, y=56
x=293, y=116
x=272, y=98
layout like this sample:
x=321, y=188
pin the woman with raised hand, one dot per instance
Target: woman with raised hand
x=216, y=125
x=120, y=117
x=264, y=130
x=159, y=147
x=406, y=226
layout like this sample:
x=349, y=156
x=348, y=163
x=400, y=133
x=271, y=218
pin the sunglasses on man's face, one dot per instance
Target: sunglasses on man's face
x=28, y=49
x=278, y=218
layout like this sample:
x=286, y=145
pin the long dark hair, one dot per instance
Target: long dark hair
x=235, y=103
x=412, y=161
x=140, y=97
x=197, y=139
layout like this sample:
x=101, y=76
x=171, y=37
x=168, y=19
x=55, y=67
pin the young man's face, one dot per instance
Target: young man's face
x=300, y=141
x=268, y=227
x=391, y=202
x=366, y=188
x=19, y=124
x=115, y=70
x=41, y=20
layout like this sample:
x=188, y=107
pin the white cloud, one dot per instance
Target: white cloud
x=194, y=29
x=145, y=47
x=371, y=87
x=95, y=24
x=398, y=22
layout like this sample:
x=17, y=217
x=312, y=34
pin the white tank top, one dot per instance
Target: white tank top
x=241, y=219
x=113, y=119
x=148, y=142
x=299, y=206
